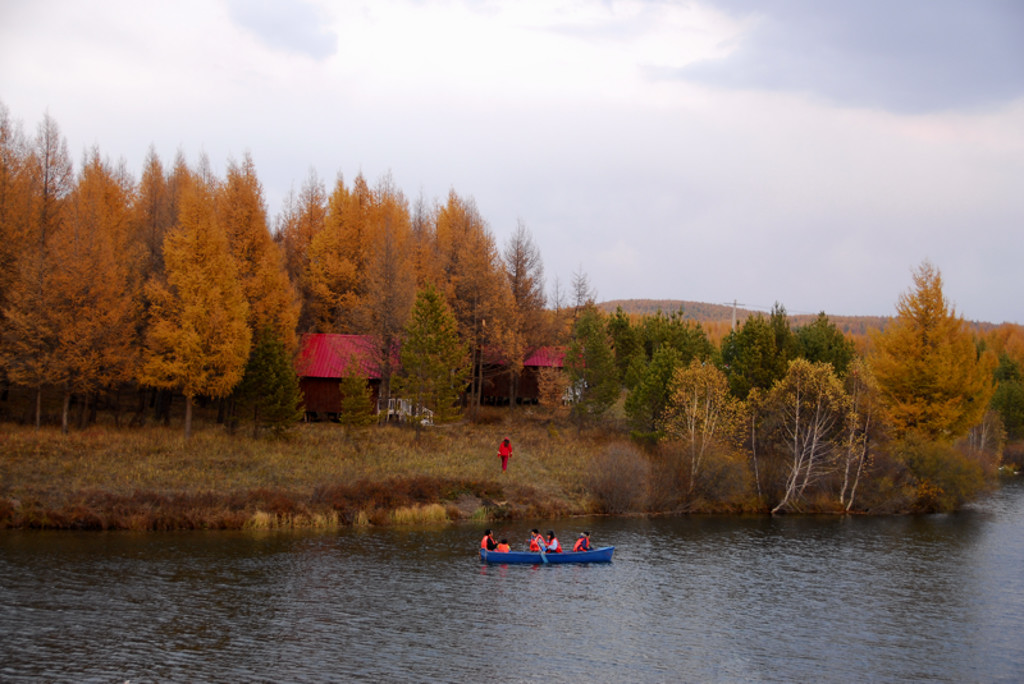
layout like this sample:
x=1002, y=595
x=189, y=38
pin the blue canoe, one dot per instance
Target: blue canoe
x=601, y=555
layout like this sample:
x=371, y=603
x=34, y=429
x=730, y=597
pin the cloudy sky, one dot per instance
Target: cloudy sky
x=805, y=152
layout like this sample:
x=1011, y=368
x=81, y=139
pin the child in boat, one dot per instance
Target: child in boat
x=583, y=543
x=488, y=541
x=536, y=541
x=503, y=546
x=552, y=545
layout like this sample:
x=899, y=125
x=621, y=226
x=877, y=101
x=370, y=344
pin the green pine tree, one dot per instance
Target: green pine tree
x=270, y=387
x=434, y=359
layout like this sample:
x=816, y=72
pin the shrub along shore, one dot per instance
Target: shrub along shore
x=326, y=476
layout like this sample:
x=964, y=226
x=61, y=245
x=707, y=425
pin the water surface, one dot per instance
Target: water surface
x=702, y=599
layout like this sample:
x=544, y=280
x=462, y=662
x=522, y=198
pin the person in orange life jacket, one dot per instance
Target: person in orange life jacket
x=536, y=541
x=504, y=452
x=552, y=545
x=503, y=547
x=488, y=541
x=583, y=543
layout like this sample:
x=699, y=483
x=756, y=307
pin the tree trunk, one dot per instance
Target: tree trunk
x=65, y=410
x=188, y=417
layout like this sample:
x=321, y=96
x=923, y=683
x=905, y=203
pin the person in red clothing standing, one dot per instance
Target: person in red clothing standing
x=504, y=452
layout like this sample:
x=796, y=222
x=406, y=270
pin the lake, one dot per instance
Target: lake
x=936, y=598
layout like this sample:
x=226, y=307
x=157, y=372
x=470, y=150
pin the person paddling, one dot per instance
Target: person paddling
x=536, y=541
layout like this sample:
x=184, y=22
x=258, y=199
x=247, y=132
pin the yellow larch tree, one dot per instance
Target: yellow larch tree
x=336, y=258
x=29, y=335
x=388, y=283
x=198, y=339
x=92, y=286
x=299, y=223
x=932, y=377
x=476, y=287
x=241, y=211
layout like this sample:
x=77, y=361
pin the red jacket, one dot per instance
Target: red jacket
x=582, y=544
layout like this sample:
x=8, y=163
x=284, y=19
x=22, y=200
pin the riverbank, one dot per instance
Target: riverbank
x=321, y=476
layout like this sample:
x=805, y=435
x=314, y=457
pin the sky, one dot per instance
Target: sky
x=803, y=152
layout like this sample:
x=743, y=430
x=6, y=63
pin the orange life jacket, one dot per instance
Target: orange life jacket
x=536, y=543
x=558, y=546
x=503, y=548
x=582, y=544
x=485, y=545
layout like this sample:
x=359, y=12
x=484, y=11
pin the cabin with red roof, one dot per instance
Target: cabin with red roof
x=323, y=360
x=497, y=385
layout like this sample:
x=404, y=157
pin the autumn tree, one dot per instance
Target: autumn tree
x=434, y=358
x=812, y=409
x=30, y=332
x=525, y=272
x=476, y=288
x=199, y=339
x=242, y=213
x=932, y=377
x=388, y=284
x=865, y=423
x=301, y=219
x=15, y=201
x=92, y=286
x=701, y=414
x=337, y=256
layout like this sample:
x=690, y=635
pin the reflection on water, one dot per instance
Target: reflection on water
x=936, y=598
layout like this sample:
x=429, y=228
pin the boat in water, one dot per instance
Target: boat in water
x=601, y=555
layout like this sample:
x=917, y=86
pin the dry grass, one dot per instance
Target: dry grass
x=149, y=478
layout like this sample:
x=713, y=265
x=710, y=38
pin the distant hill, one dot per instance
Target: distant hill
x=705, y=313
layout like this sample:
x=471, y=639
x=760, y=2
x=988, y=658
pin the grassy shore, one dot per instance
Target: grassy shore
x=320, y=476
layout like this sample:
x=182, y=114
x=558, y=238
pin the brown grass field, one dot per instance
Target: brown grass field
x=321, y=475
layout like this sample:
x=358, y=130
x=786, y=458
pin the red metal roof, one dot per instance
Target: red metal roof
x=546, y=357
x=327, y=355
x=324, y=355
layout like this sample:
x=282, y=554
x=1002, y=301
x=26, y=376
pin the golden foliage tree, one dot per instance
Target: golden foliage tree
x=336, y=257
x=811, y=408
x=92, y=286
x=30, y=336
x=301, y=220
x=476, y=287
x=15, y=201
x=388, y=282
x=932, y=377
x=701, y=413
x=525, y=271
x=241, y=211
x=198, y=339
